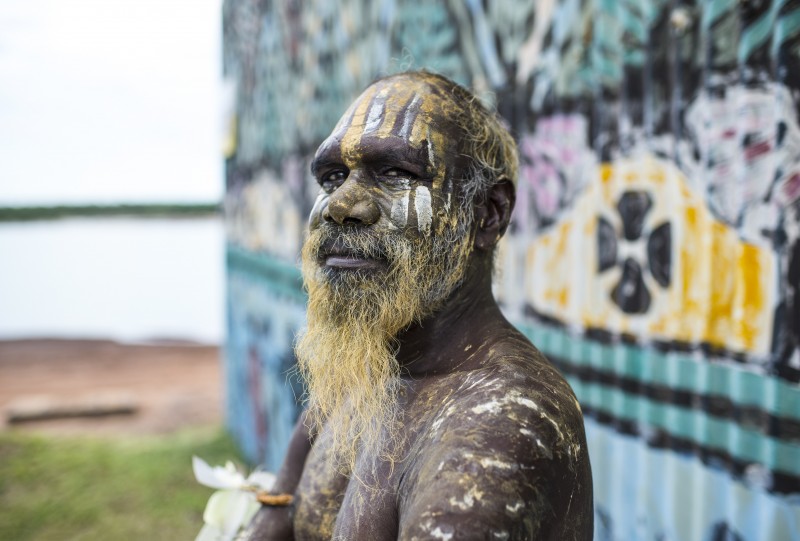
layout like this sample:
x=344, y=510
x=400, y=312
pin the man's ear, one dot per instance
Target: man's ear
x=493, y=214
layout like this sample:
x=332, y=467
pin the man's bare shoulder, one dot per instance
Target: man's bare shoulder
x=512, y=384
x=504, y=454
x=516, y=400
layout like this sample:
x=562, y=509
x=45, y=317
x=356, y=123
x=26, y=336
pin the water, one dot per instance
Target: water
x=122, y=278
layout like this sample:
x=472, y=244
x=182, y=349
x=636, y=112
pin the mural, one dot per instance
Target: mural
x=655, y=250
x=265, y=310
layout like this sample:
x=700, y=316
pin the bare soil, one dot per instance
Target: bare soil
x=167, y=386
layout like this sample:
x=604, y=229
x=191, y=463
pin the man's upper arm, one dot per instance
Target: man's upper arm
x=504, y=467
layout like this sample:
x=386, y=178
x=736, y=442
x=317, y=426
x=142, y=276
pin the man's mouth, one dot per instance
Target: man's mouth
x=352, y=262
x=337, y=256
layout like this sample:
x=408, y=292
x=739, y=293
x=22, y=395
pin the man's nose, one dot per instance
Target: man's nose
x=351, y=204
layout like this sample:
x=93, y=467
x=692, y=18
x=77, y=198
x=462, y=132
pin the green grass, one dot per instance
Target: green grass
x=56, y=488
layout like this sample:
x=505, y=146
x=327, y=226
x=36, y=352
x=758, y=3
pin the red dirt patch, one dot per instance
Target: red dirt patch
x=171, y=386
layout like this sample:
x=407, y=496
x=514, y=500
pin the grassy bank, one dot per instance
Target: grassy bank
x=55, y=488
x=22, y=214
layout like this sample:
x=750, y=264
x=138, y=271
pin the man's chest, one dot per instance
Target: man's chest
x=332, y=505
x=366, y=504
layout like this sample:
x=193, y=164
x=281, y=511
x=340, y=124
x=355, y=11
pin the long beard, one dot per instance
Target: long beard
x=347, y=353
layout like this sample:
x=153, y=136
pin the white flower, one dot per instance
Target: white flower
x=232, y=507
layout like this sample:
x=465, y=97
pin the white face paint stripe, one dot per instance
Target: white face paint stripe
x=422, y=204
x=400, y=211
x=374, y=115
x=411, y=115
x=318, y=200
x=316, y=209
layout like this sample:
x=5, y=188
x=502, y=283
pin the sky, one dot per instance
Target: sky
x=109, y=101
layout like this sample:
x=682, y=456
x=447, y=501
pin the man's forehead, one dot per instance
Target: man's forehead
x=411, y=108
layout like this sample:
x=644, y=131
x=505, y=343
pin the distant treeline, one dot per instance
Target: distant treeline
x=161, y=210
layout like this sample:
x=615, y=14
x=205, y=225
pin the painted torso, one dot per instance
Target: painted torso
x=495, y=451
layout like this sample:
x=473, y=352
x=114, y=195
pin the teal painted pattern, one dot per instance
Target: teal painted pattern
x=693, y=502
x=276, y=274
x=673, y=370
x=693, y=425
x=265, y=311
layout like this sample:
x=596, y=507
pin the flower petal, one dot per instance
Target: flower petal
x=209, y=533
x=216, y=477
x=263, y=480
x=228, y=509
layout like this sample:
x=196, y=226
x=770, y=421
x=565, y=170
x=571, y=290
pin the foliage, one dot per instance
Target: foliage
x=58, y=488
x=19, y=214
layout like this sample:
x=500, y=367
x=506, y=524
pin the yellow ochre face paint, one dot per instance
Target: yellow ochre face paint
x=398, y=142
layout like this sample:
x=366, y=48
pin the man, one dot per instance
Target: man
x=429, y=416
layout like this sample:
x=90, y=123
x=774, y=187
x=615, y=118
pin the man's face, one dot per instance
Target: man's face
x=387, y=214
x=390, y=161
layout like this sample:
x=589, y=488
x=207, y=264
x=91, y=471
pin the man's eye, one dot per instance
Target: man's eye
x=396, y=172
x=333, y=180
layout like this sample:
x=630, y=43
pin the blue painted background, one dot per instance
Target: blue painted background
x=654, y=253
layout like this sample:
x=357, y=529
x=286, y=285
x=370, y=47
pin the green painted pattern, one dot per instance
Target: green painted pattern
x=278, y=275
x=716, y=9
x=678, y=371
x=757, y=33
x=785, y=28
x=694, y=425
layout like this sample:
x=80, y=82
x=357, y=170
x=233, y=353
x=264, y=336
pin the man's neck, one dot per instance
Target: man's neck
x=441, y=343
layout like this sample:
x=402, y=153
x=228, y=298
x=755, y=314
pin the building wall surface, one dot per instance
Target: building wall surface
x=654, y=253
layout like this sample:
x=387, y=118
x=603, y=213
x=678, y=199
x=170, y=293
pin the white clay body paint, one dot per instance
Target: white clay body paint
x=411, y=115
x=318, y=203
x=468, y=499
x=374, y=117
x=400, y=211
x=431, y=159
x=439, y=534
x=422, y=204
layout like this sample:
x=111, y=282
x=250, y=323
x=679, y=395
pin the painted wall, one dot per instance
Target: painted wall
x=655, y=250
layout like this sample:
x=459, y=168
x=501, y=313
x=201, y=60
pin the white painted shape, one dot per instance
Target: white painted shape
x=528, y=403
x=422, y=203
x=497, y=464
x=400, y=211
x=492, y=406
x=374, y=116
x=431, y=158
x=468, y=500
x=318, y=202
x=410, y=115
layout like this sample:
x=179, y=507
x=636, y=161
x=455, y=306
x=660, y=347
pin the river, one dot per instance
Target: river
x=127, y=279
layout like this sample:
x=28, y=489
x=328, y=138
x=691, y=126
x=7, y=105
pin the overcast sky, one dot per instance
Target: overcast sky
x=110, y=101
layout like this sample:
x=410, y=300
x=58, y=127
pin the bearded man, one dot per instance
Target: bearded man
x=429, y=416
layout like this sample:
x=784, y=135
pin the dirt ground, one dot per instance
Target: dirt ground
x=105, y=388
